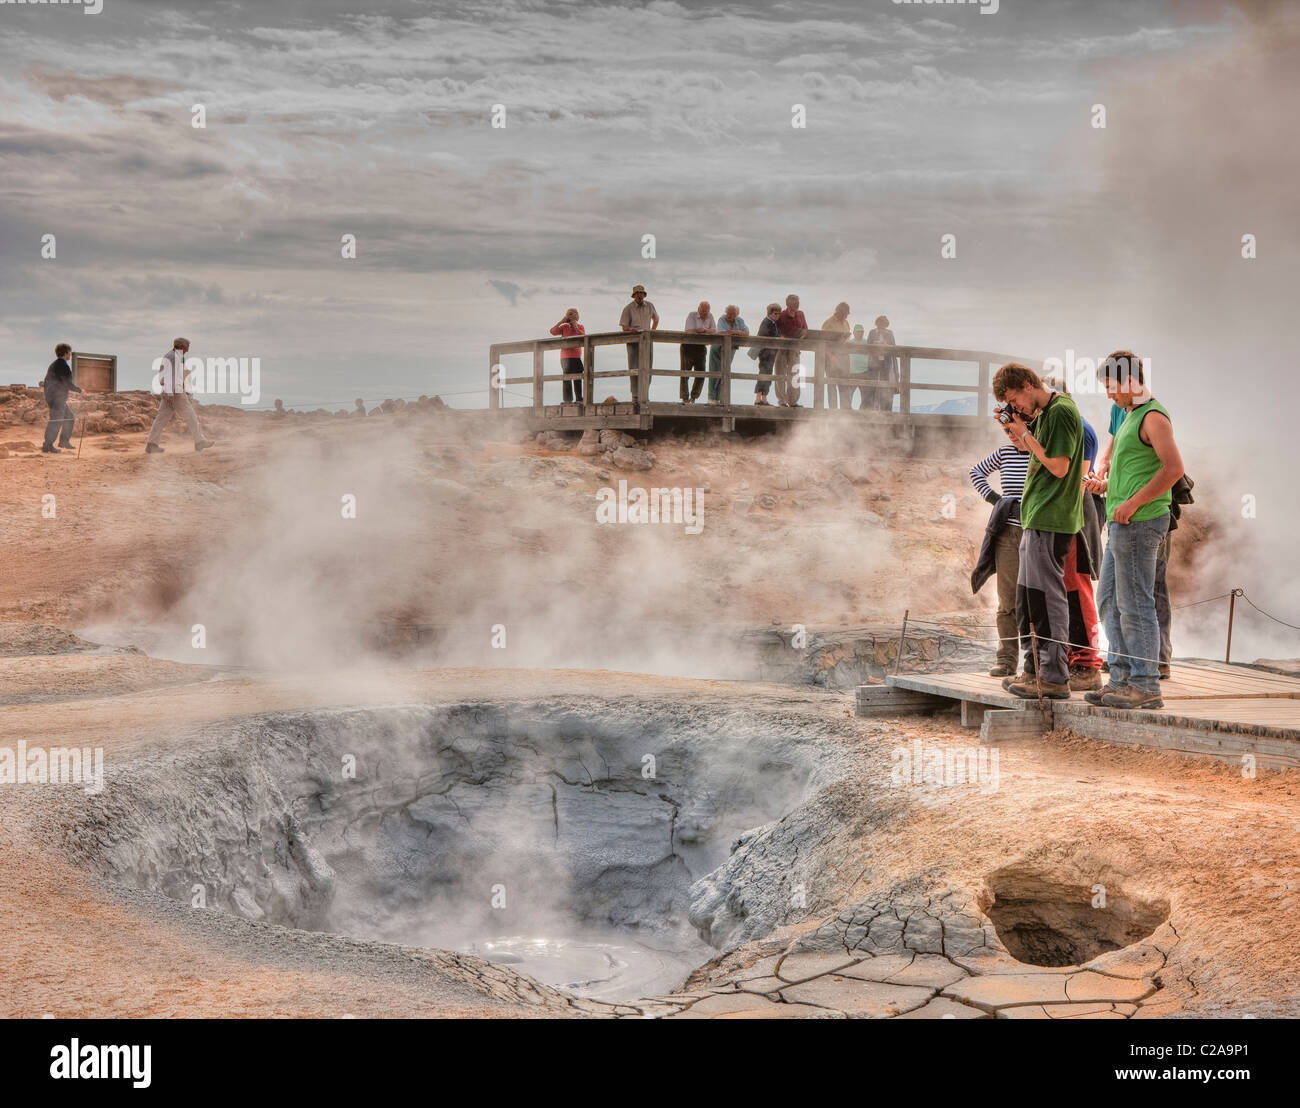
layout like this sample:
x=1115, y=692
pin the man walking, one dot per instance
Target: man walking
x=1051, y=514
x=639, y=315
x=1144, y=466
x=174, y=400
x=57, y=384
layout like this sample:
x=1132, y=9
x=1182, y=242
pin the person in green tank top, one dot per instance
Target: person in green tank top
x=1144, y=465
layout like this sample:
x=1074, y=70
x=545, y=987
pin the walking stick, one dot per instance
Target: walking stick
x=83, y=432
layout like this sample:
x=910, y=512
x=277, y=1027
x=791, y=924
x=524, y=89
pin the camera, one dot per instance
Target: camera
x=1005, y=412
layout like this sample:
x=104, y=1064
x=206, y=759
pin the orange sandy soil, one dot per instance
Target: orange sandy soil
x=1222, y=850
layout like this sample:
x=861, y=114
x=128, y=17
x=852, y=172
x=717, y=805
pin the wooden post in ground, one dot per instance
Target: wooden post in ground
x=905, y=384
x=1232, y=604
x=819, y=373
x=494, y=392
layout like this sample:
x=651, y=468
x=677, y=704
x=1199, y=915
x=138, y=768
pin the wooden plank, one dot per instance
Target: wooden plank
x=904, y=384
x=538, y=387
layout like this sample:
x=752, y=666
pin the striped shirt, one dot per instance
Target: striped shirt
x=1012, y=465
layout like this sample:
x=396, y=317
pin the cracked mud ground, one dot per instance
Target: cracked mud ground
x=894, y=922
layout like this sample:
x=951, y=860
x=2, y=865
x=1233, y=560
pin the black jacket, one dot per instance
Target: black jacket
x=986, y=564
x=58, y=383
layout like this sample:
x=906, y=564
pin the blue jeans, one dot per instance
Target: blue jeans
x=1126, y=601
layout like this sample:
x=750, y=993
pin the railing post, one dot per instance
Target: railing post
x=494, y=393
x=819, y=372
x=588, y=375
x=905, y=384
x=538, y=363
x=724, y=390
x=645, y=362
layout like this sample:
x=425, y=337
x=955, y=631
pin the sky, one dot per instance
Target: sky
x=374, y=119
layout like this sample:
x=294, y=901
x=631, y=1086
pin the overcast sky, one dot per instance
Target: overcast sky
x=672, y=119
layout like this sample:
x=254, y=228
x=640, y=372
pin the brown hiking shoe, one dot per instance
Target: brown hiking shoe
x=1083, y=679
x=1031, y=689
x=1020, y=678
x=1164, y=671
x=1130, y=696
x=1001, y=670
x=1103, y=692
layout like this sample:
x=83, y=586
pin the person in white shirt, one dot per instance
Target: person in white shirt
x=699, y=322
x=174, y=400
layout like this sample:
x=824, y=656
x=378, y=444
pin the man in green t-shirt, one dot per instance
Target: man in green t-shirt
x=1048, y=425
x=1144, y=466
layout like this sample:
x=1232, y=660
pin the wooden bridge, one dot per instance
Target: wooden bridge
x=974, y=370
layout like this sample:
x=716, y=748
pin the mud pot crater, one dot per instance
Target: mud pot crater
x=561, y=842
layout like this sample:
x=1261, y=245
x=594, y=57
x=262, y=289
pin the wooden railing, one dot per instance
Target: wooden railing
x=818, y=381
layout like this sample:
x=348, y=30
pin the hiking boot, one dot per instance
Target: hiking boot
x=153, y=448
x=1021, y=678
x=1031, y=689
x=1083, y=679
x=203, y=444
x=1001, y=670
x=48, y=450
x=1095, y=698
x=1130, y=696
x=1164, y=671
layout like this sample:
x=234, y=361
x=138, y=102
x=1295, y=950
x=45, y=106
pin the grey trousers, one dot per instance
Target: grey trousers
x=1042, y=600
x=178, y=404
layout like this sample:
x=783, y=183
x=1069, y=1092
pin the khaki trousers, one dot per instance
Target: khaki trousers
x=787, y=392
x=178, y=404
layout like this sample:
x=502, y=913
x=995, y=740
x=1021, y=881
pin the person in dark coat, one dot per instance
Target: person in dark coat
x=57, y=384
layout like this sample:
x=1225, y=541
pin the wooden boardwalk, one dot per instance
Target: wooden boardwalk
x=818, y=382
x=1211, y=710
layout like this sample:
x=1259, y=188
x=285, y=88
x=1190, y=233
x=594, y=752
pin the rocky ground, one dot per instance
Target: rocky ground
x=155, y=604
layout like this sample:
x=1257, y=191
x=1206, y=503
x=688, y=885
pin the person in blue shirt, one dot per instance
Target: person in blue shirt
x=730, y=321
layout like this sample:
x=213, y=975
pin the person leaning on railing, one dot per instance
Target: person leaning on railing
x=766, y=355
x=838, y=396
x=730, y=322
x=882, y=367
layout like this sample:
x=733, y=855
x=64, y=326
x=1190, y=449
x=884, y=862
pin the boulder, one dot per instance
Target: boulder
x=626, y=457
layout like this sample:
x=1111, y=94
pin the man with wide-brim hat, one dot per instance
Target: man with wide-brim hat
x=638, y=315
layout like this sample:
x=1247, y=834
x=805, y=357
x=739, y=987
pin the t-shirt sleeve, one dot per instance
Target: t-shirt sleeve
x=625, y=320
x=1089, y=444
x=1061, y=432
x=1116, y=418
